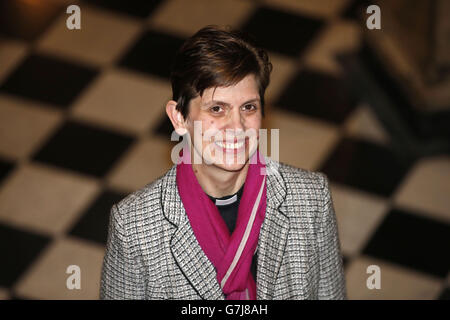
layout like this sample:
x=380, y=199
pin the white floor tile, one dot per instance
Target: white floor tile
x=11, y=54
x=363, y=124
x=284, y=69
x=187, y=17
x=100, y=41
x=336, y=38
x=396, y=283
x=124, y=100
x=304, y=142
x=358, y=215
x=319, y=9
x=47, y=277
x=24, y=125
x=44, y=199
x=146, y=160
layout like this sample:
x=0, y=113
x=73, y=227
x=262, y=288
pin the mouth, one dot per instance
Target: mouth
x=230, y=145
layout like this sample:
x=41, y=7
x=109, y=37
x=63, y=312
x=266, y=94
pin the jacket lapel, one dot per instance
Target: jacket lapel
x=185, y=249
x=191, y=259
x=273, y=234
x=194, y=264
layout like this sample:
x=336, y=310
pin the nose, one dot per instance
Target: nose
x=236, y=120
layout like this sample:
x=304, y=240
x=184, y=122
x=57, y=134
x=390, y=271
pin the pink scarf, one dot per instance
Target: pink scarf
x=230, y=254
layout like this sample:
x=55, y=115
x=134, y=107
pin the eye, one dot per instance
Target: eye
x=249, y=107
x=216, y=109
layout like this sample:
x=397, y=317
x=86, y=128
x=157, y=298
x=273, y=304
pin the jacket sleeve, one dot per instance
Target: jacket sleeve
x=120, y=278
x=332, y=278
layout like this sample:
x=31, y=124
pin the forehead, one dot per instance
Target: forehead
x=244, y=90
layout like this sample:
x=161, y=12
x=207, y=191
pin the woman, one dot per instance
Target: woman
x=225, y=222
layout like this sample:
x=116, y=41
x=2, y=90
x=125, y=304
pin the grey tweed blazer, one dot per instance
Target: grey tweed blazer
x=152, y=252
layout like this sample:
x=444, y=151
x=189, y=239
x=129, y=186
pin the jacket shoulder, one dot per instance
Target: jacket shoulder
x=304, y=190
x=296, y=178
x=147, y=197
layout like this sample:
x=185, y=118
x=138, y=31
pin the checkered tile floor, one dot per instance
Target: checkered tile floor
x=82, y=124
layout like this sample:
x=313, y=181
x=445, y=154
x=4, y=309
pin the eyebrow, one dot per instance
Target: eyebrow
x=213, y=102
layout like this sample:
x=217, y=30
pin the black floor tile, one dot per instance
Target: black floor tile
x=445, y=294
x=164, y=128
x=413, y=241
x=84, y=148
x=355, y=10
x=365, y=165
x=153, y=53
x=93, y=224
x=281, y=31
x=345, y=261
x=49, y=79
x=136, y=8
x=18, y=250
x=26, y=20
x=436, y=125
x=6, y=168
x=317, y=95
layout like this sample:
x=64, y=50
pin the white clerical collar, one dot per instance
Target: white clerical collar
x=223, y=202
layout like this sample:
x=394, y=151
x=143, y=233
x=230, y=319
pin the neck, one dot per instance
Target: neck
x=217, y=182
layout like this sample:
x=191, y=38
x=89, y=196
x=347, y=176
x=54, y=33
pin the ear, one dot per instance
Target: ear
x=176, y=117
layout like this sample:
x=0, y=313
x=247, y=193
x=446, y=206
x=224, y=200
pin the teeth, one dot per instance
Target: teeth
x=228, y=145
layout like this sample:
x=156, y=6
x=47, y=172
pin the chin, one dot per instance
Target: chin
x=233, y=167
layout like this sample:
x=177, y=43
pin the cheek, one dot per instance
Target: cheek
x=210, y=130
x=206, y=124
x=253, y=122
x=209, y=125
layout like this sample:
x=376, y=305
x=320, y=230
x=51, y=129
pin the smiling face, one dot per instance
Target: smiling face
x=230, y=119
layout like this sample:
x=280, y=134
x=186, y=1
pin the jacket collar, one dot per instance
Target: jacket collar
x=173, y=207
x=191, y=259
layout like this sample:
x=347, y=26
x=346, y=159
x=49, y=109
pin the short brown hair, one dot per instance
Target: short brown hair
x=213, y=57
